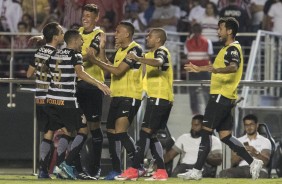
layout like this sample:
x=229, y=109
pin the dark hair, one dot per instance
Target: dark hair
x=198, y=117
x=230, y=23
x=50, y=30
x=162, y=34
x=129, y=26
x=91, y=8
x=30, y=19
x=70, y=34
x=251, y=117
x=21, y=23
x=197, y=28
x=215, y=10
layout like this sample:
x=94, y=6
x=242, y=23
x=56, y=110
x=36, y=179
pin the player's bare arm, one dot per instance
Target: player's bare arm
x=193, y=68
x=117, y=71
x=87, y=78
x=232, y=68
x=152, y=62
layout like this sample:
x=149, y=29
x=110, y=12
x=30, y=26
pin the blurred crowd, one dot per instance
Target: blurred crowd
x=174, y=15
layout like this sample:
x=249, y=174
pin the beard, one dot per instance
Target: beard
x=222, y=41
x=251, y=133
x=195, y=134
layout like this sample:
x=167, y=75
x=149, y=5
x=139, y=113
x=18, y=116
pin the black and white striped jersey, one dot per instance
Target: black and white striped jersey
x=42, y=74
x=63, y=78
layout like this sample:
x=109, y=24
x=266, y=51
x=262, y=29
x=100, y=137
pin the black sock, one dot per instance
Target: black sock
x=204, y=149
x=115, y=151
x=75, y=148
x=128, y=144
x=157, y=152
x=236, y=146
x=61, y=149
x=142, y=146
x=77, y=164
x=97, y=140
x=45, y=154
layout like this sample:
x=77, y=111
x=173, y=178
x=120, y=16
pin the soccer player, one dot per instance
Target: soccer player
x=159, y=88
x=65, y=66
x=126, y=88
x=226, y=71
x=90, y=98
x=54, y=36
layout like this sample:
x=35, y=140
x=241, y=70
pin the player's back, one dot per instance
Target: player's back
x=63, y=77
x=43, y=77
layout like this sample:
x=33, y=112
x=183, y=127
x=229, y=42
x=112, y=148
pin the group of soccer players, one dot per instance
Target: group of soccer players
x=70, y=88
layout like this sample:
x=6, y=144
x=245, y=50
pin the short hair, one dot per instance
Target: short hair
x=230, y=23
x=129, y=26
x=198, y=117
x=251, y=117
x=70, y=35
x=21, y=23
x=197, y=28
x=91, y=8
x=162, y=34
x=50, y=30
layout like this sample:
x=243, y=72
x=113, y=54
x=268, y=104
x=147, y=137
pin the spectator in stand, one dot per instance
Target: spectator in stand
x=274, y=18
x=21, y=40
x=266, y=8
x=11, y=14
x=198, y=50
x=209, y=22
x=166, y=16
x=27, y=18
x=4, y=42
x=188, y=145
x=197, y=12
x=131, y=11
x=133, y=15
x=72, y=12
x=257, y=146
x=107, y=27
x=256, y=9
x=241, y=3
x=241, y=15
x=42, y=9
x=147, y=8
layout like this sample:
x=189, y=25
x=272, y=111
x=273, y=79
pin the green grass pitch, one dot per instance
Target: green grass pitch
x=19, y=179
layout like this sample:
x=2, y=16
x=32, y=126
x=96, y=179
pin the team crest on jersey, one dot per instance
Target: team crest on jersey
x=97, y=38
x=83, y=119
x=161, y=52
x=134, y=51
x=234, y=53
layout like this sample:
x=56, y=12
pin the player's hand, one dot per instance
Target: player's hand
x=35, y=40
x=210, y=68
x=132, y=56
x=191, y=68
x=90, y=55
x=103, y=87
